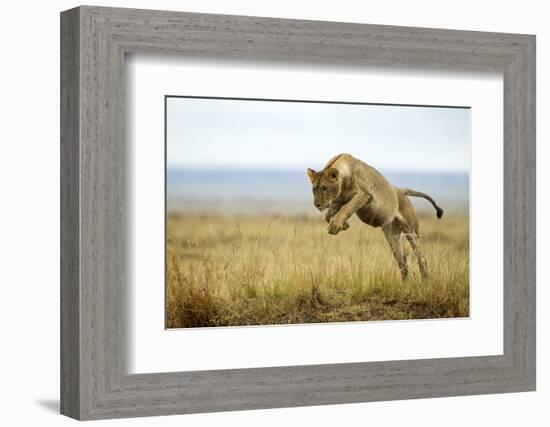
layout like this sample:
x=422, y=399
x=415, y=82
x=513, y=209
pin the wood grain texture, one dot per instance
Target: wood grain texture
x=94, y=203
x=70, y=220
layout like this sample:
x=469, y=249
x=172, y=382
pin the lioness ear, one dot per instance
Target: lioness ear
x=332, y=174
x=312, y=174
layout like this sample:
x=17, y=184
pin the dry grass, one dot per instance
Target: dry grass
x=258, y=271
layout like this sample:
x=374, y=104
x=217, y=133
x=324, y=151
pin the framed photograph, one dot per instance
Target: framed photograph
x=245, y=245
x=261, y=213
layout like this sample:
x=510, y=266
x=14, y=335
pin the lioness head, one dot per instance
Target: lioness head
x=326, y=187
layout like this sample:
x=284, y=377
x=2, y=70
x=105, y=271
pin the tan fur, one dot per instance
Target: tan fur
x=348, y=186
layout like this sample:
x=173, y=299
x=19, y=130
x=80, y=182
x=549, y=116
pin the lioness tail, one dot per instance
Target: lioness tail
x=438, y=210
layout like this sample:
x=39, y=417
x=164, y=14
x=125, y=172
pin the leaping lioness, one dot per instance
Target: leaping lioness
x=348, y=186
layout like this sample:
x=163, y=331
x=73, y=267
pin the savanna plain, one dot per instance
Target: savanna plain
x=269, y=269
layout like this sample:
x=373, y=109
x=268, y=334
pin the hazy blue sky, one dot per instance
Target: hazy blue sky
x=206, y=133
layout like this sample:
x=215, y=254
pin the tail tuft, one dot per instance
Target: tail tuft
x=409, y=192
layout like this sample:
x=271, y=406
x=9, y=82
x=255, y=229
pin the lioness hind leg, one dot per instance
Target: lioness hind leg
x=414, y=240
x=393, y=236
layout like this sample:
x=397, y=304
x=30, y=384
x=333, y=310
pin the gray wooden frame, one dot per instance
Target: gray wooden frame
x=94, y=41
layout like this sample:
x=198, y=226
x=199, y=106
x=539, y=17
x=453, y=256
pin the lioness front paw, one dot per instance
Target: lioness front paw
x=336, y=225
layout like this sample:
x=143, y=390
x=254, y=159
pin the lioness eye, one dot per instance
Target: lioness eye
x=324, y=188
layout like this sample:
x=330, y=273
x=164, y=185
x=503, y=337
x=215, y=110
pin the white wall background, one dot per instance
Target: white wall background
x=29, y=212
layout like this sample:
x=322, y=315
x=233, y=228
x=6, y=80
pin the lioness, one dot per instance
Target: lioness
x=348, y=186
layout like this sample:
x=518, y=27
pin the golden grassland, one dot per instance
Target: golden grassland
x=279, y=270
